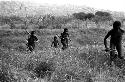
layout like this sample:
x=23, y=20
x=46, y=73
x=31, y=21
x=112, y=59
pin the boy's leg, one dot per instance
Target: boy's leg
x=62, y=41
x=55, y=45
x=66, y=42
x=112, y=47
x=63, y=45
x=33, y=46
x=30, y=48
x=119, y=50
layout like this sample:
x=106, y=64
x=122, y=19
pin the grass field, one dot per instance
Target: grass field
x=83, y=61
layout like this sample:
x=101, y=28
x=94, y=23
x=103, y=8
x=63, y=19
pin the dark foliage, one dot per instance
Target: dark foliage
x=102, y=16
x=43, y=69
x=101, y=13
x=89, y=16
x=42, y=27
x=80, y=15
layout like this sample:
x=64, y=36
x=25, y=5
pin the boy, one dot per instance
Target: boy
x=55, y=43
x=64, y=38
x=31, y=41
x=115, y=40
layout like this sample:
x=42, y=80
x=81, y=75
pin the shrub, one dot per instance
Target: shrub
x=43, y=69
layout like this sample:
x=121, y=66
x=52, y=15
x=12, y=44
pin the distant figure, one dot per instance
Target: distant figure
x=64, y=38
x=55, y=42
x=31, y=41
x=115, y=40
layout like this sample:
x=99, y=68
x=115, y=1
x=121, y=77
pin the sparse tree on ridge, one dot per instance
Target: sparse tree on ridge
x=83, y=16
x=80, y=15
x=101, y=16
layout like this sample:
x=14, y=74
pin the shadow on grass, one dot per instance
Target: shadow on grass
x=40, y=69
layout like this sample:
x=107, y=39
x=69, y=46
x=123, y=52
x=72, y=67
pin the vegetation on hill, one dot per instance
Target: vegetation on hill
x=18, y=15
x=84, y=60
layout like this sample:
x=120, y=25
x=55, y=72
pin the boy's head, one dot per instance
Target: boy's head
x=65, y=30
x=55, y=37
x=116, y=25
x=32, y=32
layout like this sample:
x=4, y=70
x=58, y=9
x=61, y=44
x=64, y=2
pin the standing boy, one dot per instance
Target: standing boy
x=31, y=41
x=115, y=40
x=64, y=38
x=55, y=42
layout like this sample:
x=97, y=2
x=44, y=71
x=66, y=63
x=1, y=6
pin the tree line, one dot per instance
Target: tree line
x=53, y=21
x=98, y=17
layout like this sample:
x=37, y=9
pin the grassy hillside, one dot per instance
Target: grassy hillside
x=83, y=61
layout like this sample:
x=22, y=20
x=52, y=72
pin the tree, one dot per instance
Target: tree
x=101, y=16
x=89, y=16
x=8, y=20
x=25, y=16
x=104, y=16
x=101, y=13
x=6, y=11
x=11, y=11
x=83, y=16
x=80, y=15
x=45, y=21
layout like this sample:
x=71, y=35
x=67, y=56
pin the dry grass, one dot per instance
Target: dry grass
x=82, y=61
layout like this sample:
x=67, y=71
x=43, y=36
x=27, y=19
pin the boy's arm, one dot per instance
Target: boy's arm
x=58, y=42
x=52, y=44
x=69, y=38
x=105, y=41
x=27, y=38
x=68, y=35
x=60, y=36
x=123, y=31
x=36, y=39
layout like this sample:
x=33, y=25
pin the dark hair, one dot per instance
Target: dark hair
x=116, y=25
x=32, y=32
x=55, y=37
x=65, y=29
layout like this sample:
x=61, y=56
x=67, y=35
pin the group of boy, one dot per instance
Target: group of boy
x=55, y=43
x=64, y=40
x=115, y=34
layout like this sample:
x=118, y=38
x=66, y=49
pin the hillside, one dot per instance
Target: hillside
x=83, y=61
x=21, y=8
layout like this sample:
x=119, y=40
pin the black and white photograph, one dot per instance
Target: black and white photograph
x=62, y=41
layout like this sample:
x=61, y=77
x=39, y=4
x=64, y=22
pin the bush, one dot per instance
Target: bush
x=42, y=27
x=43, y=69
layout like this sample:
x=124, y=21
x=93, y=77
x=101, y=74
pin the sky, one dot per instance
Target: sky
x=113, y=5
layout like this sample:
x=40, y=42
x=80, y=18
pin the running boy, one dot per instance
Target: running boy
x=64, y=38
x=55, y=42
x=31, y=41
x=115, y=40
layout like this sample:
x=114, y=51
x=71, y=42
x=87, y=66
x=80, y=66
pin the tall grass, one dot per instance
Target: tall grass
x=81, y=62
